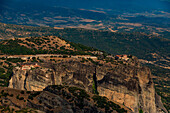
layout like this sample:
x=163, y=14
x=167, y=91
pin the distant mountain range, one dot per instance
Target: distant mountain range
x=143, y=46
x=151, y=17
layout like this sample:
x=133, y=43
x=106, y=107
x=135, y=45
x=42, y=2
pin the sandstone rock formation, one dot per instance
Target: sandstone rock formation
x=130, y=85
x=31, y=80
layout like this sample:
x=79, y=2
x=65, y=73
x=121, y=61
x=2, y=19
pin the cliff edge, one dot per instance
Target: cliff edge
x=127, y=84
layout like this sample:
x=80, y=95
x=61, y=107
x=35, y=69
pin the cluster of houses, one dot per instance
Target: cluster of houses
x=124, y=57
x=28, y=66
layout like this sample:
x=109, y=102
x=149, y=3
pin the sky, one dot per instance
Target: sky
x=89, y=4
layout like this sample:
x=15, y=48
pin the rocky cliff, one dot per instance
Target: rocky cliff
x=130, y=85
x=31, y=80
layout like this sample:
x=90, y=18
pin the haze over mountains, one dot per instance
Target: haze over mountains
x=89, y=4
x=150, y=17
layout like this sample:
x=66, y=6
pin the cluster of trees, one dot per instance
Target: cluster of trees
x=5, y=76
x=109, y=106
x=13, y=48
x=15, y=60
x=37, y=41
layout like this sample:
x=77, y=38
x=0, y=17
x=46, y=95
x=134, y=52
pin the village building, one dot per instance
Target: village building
x=28, y=67
x=123, y=57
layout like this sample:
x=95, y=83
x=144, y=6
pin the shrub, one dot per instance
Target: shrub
x=35, y=94
x=30, y=97
x=11, y=95
x=81, y=95
x=21, y=98
x=15, y=60
x=40, y=101
x=22, y=92
x=5, y=94
x=140, y=111
x=28, y=92
x=103, y=102
x=84, y=60
x=2, y=91
x=65, y=56
x=2, y=70
x=1, y=63
x=129, y=56
x=17, y=97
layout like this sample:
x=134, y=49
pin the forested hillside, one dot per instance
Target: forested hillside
x=138, y=44
x=43, y=45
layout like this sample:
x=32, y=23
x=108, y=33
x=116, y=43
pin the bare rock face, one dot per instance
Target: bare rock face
x=18, y=79
x=130, y=85
x=31, y=80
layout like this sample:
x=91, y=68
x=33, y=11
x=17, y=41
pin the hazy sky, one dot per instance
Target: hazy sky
x=155, y=4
